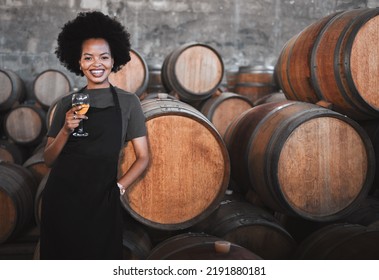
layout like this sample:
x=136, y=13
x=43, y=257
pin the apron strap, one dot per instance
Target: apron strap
x=118, y=111
x=82, y=89
x=115, y=100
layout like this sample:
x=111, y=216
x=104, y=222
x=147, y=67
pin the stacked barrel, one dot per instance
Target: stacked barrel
x=334, y=63
x=23, y=130
x=300, y=154
x=260, y=163
x=189, y=172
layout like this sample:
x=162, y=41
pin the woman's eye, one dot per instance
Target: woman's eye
x=87, y=58
x=105, y=57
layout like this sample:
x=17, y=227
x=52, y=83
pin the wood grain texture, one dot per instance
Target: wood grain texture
x=25, y=124
x=249, y=226
x=221, y=109
x=188, y=170
x=6, y=87
x=281, y=69
x=364, y=62
x=302, y=159
x=298, y=64
x=332, y=59
x=335, y=60
x=133, y=77
x=255, y=82
x=198, y=69
x=322, y=166
x=271, y=97
x=193, y=71
x=49, y=85
x=12, y=90
x=324, y=74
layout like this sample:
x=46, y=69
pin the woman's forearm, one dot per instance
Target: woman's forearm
x=134, y=172
x=54, y=147
x=140, y=164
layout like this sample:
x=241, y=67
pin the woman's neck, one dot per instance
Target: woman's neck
x=98, y=86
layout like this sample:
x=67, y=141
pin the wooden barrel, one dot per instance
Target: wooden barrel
x=10, y=152
x=231, y=79
x=271, y=97
x=21, y=247
x=294, y=59
x=255, y=82
x=49, y=85
x=38, y=199
x=37, y=166
x=298, y=227
x=51, y=111
x=198, y=246
x=193, y=70
x=250, y=227
x=12, y=90
x=335, y=60
x=133, y=77
x=188, y=171
x=25, y=125
x=341, y=242
x=222, y=108
x=135, y=240
x=372, y=129
x=159, y=95
x=366, y=213
x=155, y=82
x=17, y=190
x=301, y=158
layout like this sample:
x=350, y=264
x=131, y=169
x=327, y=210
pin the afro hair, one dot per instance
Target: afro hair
x=89, y=25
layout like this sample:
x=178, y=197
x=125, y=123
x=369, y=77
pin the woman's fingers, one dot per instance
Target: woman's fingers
x=73, y=119
x=75, y=110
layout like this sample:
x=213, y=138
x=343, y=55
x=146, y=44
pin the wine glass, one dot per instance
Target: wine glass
x=81, y=99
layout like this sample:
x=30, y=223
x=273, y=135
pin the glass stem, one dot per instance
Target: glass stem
x=80, y=127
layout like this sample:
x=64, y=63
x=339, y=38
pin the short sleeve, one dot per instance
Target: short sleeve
x=136, y=123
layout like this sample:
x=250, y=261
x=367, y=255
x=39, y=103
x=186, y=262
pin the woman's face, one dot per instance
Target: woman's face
x=96, y=62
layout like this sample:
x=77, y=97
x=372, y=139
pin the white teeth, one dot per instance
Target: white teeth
x=97, y=71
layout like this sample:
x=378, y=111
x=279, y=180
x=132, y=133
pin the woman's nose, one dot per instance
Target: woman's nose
x=97, y=62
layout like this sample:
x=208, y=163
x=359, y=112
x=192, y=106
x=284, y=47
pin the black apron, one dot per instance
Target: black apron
x=81, y=210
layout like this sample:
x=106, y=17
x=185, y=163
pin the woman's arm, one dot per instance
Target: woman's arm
x=55, y=145
x=138, y=167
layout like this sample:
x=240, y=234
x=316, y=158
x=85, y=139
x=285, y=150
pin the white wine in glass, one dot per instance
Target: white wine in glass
x=81, y=99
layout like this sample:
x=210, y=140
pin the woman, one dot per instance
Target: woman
x=81, y=210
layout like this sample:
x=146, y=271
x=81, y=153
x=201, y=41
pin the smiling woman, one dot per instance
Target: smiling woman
x=81, y=210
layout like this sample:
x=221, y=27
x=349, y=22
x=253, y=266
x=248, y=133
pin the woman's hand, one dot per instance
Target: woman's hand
x=55, y=145
x=122, y=188
x=141, y=150
x=73, y=119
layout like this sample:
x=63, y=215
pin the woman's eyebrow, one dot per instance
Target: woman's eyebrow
x=100, y=54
